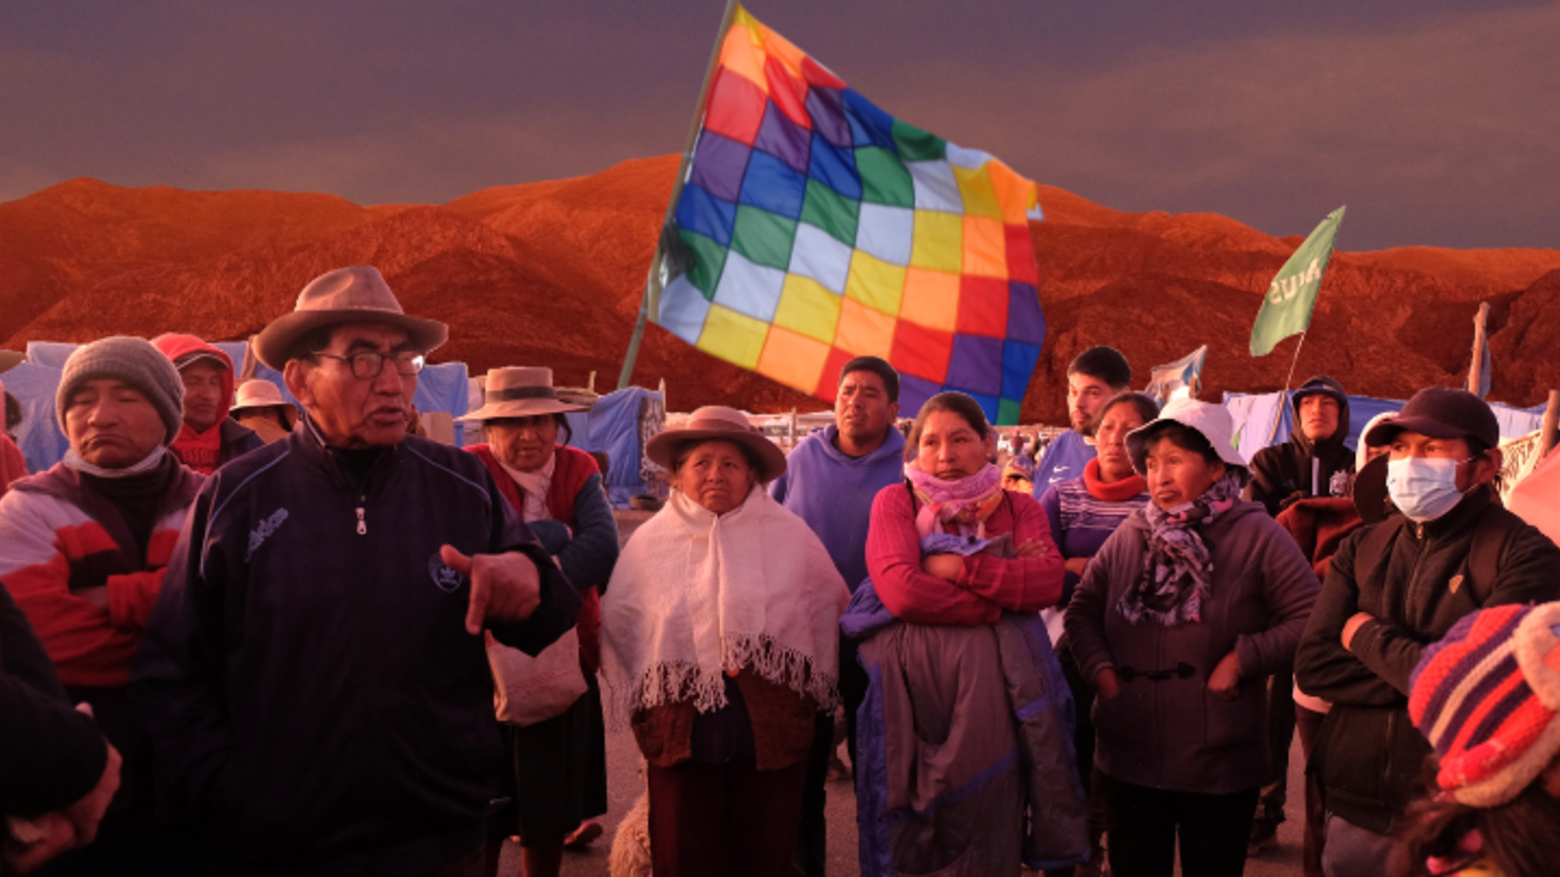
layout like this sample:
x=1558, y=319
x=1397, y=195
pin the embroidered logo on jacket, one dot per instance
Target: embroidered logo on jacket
x=258, y=535
x=444, y=576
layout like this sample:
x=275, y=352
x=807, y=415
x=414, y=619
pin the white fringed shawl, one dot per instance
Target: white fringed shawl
x=694, y=595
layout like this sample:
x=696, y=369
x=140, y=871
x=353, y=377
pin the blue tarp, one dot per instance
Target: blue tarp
x=1253, y=416
x=39, y=436
x=619, y=423
x=55, y=353
x=442, y=387
x=1164, y=380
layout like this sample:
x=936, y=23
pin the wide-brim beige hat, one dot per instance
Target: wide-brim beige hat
x=520, y=391
x=346, y=295
x=261, y=393
x=718, y=422
x=1213, y=421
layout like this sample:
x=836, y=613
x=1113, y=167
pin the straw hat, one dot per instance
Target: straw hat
x=520, y=391
x=261, y=393
x=346, y=295
x=718, y=422
x=1212, y=421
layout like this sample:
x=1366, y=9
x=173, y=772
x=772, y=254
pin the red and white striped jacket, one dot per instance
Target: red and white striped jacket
x=58, y=536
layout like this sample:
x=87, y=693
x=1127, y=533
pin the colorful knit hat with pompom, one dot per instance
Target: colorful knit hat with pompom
x=1486, y=697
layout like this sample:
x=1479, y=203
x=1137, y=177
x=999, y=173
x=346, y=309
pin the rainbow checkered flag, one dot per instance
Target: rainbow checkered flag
x=809, y=226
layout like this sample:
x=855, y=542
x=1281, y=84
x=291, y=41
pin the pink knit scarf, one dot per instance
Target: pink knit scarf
x=966, y=503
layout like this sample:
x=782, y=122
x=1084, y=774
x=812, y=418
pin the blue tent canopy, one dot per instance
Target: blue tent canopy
x=1253, y=415
x=34, y=382
x=619, y=424
x=39, y=435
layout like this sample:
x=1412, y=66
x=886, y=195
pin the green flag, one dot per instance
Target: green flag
x=1286, y=309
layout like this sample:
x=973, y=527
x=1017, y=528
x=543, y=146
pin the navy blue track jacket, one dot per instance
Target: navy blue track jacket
x=306, y=674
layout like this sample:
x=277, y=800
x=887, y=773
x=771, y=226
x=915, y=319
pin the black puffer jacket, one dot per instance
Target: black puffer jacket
x=1282, y=471
x=1369, y=756
x=237, y=440
x=50, y=754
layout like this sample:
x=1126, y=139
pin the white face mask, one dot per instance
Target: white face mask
x=1424, y=488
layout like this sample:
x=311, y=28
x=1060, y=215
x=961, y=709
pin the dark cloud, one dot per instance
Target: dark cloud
x=1433, y=121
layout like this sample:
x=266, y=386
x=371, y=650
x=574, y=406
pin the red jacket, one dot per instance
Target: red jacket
x=988, y=586
x=12, y=464
x=58, y=536
x=573, y=469
x=205, y=451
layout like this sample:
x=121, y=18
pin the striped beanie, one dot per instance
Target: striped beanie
x=1486, y=697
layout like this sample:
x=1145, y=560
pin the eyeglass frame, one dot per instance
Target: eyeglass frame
x=418, y=360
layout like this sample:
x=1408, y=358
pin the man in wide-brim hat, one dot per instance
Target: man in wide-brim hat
x=259, y=405
x=519, y=391
x=315, y=676
x=558, y=765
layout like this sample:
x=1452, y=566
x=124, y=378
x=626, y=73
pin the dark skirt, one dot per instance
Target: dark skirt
x=557, y=773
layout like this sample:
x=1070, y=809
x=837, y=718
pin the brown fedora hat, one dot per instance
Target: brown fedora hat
x=346, y=295
x=718, y=422
x=520, y=391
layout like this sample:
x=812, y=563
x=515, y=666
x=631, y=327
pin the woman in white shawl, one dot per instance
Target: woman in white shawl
x=719, y=645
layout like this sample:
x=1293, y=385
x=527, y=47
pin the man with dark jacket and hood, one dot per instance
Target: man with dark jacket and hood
x=209, y=437
x=1314, y=462
x=314, y=675
x=1393, y=588
x=1304, y=467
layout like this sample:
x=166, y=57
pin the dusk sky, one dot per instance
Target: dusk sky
x=1436, y=122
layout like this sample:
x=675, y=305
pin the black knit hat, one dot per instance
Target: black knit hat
x=1321, y=385
x=132, y=360
x=1441, y=412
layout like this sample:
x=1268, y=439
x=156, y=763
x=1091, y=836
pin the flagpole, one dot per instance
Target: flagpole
x=1283, y=398
x=648, y=300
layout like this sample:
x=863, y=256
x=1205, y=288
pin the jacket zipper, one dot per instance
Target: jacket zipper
x=362, y=527
x=1413, y=573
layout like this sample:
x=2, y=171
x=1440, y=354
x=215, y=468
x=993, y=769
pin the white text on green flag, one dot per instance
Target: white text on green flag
x=1286, y=309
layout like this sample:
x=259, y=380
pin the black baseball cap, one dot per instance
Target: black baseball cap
x=1441, y=412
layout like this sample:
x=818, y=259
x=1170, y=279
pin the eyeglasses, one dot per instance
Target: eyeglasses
x=1181, y=670
x=369, y=364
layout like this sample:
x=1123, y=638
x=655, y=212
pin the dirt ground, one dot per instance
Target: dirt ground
x=625, y=783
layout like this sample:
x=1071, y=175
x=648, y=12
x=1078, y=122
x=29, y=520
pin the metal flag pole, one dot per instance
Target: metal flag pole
x=649, y=301
x=1283, y=398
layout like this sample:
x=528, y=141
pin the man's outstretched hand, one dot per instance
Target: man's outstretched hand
x=504, y=587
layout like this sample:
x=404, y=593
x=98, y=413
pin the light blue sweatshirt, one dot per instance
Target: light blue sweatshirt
x=833, y=493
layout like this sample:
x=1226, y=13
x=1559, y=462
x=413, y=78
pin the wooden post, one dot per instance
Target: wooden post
x=1548, y=437
x=1476, y=367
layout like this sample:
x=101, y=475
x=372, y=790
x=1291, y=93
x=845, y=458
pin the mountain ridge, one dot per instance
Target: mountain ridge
x=551, y=273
